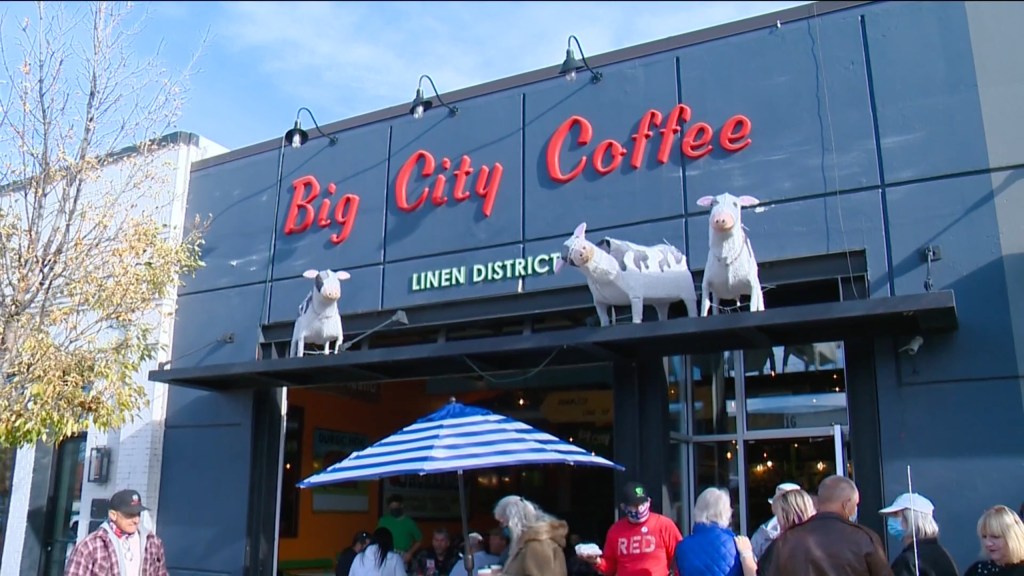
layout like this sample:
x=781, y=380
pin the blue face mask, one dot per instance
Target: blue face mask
x=895, y=527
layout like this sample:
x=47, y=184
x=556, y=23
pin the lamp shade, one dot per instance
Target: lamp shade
x=570, y=64
x=296, y=136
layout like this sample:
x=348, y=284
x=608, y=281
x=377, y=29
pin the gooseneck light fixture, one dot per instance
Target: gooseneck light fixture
x=421, y=104
x=297, y=136
x=571, y=64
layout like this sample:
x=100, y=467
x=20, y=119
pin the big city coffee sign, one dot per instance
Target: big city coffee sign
x=311, y=205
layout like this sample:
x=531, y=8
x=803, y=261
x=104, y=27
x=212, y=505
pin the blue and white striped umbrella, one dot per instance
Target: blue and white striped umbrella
x=455, y=438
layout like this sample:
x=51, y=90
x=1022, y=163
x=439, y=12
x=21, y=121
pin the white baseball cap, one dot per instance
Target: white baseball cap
x=784, y=487
x=909, y=502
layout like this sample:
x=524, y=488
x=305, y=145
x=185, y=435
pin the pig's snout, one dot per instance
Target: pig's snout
x=723, y=221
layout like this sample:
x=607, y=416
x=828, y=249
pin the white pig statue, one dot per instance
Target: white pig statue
x=731, y=269
x=319, y=321
x=621, y=273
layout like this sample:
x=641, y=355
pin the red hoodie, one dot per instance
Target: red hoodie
x=645, y=549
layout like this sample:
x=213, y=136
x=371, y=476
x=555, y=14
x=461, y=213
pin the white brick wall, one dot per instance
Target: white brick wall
x=137, y=448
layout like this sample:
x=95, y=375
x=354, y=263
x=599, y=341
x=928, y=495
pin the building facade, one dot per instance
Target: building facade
x=53, y=501
x=881, y=142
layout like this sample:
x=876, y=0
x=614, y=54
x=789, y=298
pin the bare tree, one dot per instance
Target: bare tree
x=86, y=251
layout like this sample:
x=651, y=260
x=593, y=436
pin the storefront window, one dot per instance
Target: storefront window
x=805, y=461
x=292, y=473
x=789, y=427
x=717, y=465
x=713, y=403
x=801, y=386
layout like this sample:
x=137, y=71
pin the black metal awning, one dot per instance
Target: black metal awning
x=898, y=315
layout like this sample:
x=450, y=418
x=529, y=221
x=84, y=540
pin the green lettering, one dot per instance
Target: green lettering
x=479, y=273
x=540, y=264
x=433, y=279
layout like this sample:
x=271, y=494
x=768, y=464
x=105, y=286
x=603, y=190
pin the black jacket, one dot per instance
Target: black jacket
x=345, y=560
x=932, y=559
x=988, y=568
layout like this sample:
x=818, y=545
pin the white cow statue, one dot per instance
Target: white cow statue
x=621, y=273
x=731, y=269
x=319, y=321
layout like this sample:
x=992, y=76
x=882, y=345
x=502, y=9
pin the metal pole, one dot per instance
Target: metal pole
x=913, y=520
x=467, y=557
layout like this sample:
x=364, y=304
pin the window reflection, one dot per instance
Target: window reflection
x=804, y=461
x=800, y=386
x=714, y=394
x=675, y=377
x=717, y=464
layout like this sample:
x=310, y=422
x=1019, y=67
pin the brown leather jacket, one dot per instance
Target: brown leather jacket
x=828, y=545
x=539, y=551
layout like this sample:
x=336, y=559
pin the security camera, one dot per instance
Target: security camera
x=912, y=347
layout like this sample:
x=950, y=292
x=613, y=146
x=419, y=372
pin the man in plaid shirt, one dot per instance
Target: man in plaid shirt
x=119, y=547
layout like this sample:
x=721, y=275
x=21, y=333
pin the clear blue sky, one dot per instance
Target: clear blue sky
x=264, y=60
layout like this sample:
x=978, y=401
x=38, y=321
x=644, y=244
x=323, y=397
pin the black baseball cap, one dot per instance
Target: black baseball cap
x=634, y=494
x=361, y=537
x=127, y=502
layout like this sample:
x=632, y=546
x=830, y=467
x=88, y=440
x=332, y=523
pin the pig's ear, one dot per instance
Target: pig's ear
x=748, y=201
x=705, y=201
x=342, y=275
x=580, y=230
x=559, y=262
x=311, y=273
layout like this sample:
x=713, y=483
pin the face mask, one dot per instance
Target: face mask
x=894, y=526
x=853, y=517
x=396, y=512
x=638, y=514
x=505, y=532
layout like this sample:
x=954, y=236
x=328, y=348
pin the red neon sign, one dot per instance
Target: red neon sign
x=307, y=206
x=608, y=154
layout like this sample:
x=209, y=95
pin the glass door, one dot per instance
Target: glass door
x=62, y=512
x=803, y=460
x=749, y=420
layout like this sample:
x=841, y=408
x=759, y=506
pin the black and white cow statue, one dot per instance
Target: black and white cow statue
x=319, y=321
x=621, y=273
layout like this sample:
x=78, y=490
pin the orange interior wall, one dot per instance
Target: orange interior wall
x=325, y=534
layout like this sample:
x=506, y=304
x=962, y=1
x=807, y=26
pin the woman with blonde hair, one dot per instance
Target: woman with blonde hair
x=537, y=539
x=1002, y=541
x=791, y=508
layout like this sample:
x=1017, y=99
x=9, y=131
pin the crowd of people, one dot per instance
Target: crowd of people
x=813, y=535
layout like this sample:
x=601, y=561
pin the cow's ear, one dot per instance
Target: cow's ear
x=749, y=201
x=342, y=275
x=311, y=273
x=580, y=231
x=705, y=201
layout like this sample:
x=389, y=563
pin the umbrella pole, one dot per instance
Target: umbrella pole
x=467, y=556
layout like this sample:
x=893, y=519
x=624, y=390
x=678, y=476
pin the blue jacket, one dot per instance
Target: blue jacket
x=709, y=551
